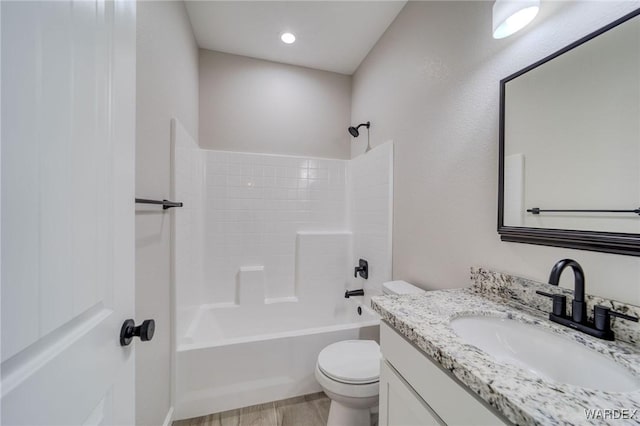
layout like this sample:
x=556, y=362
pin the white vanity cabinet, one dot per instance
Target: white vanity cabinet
x=415, y=391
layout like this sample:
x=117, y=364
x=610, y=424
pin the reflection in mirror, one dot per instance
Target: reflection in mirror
x=572, y=137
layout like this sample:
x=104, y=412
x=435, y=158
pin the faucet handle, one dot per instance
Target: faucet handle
x=602, y=317
x=362, y=269
x=623, y=316
x=559, y=302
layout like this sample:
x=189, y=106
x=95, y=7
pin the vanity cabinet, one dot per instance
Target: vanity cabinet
x=414, y=390
x=399, y=402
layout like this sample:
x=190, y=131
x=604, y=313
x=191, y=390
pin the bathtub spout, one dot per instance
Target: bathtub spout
x=349, y=293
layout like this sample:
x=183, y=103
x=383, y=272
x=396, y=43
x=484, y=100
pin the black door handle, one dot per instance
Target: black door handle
x=144, y=331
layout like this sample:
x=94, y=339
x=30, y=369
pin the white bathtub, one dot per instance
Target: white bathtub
x=232, y=357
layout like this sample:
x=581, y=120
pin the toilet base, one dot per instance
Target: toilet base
x=341, y=415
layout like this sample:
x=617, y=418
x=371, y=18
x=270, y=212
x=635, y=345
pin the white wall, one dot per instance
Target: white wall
x=254, y=206
x=253, y=105
x=187, y=163
x=371, y=216
x=431, y=85
x=167, y=87
x=288, y=220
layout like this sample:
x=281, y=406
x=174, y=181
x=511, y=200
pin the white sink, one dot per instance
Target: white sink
x=544, y=353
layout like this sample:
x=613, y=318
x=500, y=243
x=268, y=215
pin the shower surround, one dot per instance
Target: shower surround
x=263, y=252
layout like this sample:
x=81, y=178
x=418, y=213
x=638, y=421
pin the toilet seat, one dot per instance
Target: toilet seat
x=335, y=389
x=352, y=362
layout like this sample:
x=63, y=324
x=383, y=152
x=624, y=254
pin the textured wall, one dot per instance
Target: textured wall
x=431, y=85
x=253, y=105
x=167, y=87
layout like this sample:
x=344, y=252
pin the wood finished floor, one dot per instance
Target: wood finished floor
x=307, y=410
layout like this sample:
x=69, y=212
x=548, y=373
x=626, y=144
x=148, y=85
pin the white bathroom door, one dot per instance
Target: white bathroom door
x=67, y=203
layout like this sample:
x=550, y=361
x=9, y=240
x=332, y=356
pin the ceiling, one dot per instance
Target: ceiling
x=330, y=35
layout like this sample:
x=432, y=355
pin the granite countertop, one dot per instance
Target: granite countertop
x=518, y=394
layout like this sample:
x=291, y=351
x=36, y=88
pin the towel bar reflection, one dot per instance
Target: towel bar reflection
x=538, y=210
x=166, y=204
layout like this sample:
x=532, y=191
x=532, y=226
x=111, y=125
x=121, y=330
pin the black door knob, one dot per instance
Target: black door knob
x=144, y=331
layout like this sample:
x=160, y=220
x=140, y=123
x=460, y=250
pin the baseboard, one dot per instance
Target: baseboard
x=167, y=420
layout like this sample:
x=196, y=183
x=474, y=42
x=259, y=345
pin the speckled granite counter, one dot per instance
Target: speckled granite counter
x=519, y=395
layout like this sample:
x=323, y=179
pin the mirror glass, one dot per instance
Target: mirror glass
x=571, y=137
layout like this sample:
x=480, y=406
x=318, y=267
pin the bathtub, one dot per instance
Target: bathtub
x=236, y=356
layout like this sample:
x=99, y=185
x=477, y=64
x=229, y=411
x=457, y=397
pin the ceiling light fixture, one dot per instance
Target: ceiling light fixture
x=288, y=38
x=510, y=16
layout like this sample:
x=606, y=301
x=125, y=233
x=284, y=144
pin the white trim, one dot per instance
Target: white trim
x=375, y=320
x=391, y=205
x=167, y=420
x=270, y=154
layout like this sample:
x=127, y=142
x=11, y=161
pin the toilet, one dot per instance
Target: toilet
x=349, y=372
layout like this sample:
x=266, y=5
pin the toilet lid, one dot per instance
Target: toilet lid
x=351, y=361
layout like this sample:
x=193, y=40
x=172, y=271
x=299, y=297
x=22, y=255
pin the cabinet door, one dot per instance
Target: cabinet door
x=400, y=405
x=454, y=403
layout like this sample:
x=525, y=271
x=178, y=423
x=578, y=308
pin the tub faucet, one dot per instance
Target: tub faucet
x=578, y=305
x=349, y=293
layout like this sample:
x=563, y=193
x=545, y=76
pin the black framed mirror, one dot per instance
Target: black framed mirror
x=569, y=153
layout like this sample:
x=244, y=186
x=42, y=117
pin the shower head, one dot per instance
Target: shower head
x=354, y=130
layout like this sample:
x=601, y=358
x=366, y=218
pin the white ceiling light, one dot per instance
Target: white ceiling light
x=510, y=16
x=287, y=38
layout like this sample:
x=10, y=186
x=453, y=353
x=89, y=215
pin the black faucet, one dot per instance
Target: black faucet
x=349, y=293
x=601, y=325
x=578, y=305
x=362, y=268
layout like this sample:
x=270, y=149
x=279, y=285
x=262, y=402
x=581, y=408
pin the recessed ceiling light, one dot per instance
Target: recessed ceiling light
x=287, y=38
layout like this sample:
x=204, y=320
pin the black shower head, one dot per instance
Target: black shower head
x=354, y=130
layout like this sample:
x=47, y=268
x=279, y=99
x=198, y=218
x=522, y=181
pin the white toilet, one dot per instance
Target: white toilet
x=349, y=373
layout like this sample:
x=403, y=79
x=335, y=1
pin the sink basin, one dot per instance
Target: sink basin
x=544, y=353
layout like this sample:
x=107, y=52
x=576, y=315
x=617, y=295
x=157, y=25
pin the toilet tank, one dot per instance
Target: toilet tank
x=400, y=287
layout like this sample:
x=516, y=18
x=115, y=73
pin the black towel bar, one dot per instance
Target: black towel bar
x=538, y=210
x=166, y=204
